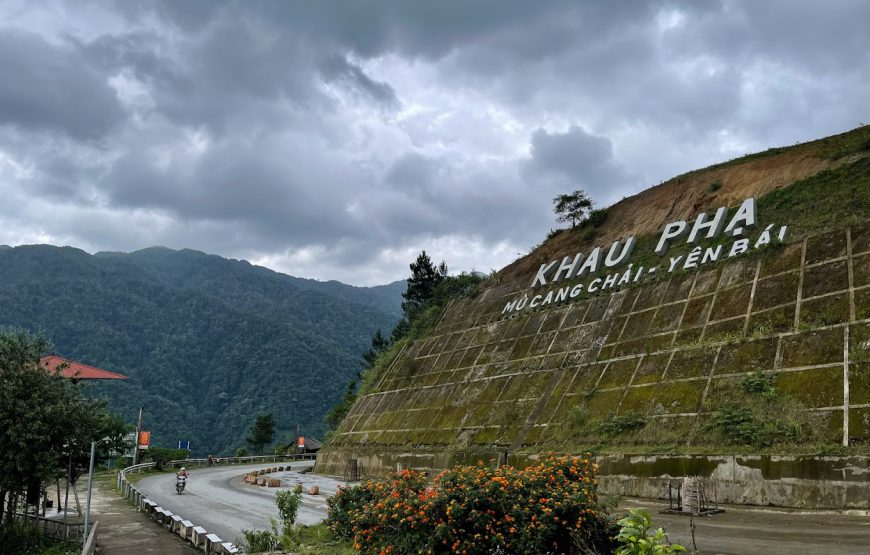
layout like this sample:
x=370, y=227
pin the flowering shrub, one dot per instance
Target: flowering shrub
x=548, y=508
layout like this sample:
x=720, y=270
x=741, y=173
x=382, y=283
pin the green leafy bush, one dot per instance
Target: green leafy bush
x=551, y=507
x=288, y=506
x=634, y=536
x=758, y=383
x=615, y=425
x=597, y=217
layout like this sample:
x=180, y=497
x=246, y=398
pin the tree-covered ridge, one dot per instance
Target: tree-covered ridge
x=208, y=343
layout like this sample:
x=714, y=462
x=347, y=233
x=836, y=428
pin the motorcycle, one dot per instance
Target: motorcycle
x=179, y=485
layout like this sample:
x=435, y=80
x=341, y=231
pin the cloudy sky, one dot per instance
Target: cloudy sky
x=334, y=140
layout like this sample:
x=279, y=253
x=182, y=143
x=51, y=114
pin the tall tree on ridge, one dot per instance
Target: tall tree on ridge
x=572, y=207
x=425, y=276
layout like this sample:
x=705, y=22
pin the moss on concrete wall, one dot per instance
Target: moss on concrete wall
x=671, y=350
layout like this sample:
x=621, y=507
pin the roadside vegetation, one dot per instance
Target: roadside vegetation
x=47, y=427
x=551, y=507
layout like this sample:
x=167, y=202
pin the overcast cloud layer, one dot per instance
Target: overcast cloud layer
x=335, y=140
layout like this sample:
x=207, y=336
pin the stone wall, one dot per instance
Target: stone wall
x=483, y=384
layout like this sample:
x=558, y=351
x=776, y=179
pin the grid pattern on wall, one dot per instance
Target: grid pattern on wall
x=668, y=350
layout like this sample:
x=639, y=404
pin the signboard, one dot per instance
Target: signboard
x=130, y=441
x=587, y=265
x=300, y=442
x=184, y=444
x=144, y=440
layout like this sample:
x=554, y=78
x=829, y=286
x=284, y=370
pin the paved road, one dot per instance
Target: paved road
x=218, y=500
x=221, y=502
x=751, y=530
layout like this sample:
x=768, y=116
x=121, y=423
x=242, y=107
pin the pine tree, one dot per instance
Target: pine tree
x=425, y=276
x=262, y=432
x=378, y=346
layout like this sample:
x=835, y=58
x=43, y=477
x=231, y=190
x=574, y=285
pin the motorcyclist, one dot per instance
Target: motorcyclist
x=181, y=479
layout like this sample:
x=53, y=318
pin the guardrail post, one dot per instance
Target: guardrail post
x=185, y=529
x=197, y=537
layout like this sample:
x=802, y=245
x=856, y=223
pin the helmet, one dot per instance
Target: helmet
x=183, y=469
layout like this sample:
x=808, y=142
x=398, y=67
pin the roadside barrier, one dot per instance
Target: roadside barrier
x=90, y=544
x=198, y=536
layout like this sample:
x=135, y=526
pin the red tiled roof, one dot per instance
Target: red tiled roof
x=77, y=370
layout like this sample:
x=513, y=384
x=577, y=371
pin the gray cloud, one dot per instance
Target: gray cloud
x=575, y=159
x=333, y=139
x=51, y=88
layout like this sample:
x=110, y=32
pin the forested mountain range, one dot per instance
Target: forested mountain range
x=208, y=343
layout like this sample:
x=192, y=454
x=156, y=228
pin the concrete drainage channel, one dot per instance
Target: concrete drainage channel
x=199, y=537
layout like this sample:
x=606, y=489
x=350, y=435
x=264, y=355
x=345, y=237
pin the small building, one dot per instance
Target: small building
x=308, y=444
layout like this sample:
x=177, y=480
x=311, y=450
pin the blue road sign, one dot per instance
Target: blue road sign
x=184, y=444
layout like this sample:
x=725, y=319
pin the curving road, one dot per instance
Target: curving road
x=218, y=499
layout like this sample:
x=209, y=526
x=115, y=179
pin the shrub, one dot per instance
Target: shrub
x=576, y=419
x=257, y=541
x=762, y=417
x=597, y=217
x=241, y=452
x=550, y=507
x=288, y=506
x=615, y=425
x=714, y=186
x=758, y=383
x=20, y=538
x=635, y=540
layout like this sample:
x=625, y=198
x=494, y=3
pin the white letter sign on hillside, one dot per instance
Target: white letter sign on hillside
x=705, y=226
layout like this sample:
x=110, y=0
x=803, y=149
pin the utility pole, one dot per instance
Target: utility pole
x=138, y=429
x=296, y=417
x=66, y=495
x=90, y=488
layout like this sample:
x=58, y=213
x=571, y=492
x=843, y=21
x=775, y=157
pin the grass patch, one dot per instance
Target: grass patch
x=319, y=540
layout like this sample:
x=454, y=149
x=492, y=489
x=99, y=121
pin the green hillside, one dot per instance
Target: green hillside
x=207, y=342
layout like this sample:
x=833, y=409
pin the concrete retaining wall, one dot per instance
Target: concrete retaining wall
x=820, y=482
x=783, y=481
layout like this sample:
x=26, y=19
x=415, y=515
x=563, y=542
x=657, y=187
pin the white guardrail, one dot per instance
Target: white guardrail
x=200, y=538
